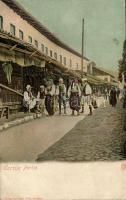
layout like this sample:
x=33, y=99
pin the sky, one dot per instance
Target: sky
x=104, y=26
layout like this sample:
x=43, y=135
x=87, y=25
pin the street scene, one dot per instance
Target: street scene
x=58, y=103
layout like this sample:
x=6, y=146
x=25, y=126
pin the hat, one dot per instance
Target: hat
x=42, y=86
x=28, y=86
x=84, y=79
x=60, y=79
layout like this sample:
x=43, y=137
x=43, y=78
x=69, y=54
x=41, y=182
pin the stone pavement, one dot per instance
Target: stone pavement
x=25, y=141
x=96, y=138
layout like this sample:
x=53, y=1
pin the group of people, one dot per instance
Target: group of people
x=116, y=94
x=78, y=94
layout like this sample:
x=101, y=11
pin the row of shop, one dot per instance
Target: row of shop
x=22, y=64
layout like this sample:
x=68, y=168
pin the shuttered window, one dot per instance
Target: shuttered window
x=36, y=43
x=42, y=47
x=46, y=50
x=61, y=58
x=64, y=60
x=12, y=29
x=55, y=55
x=1, y=22
x=51, y=53
x=30, y=39
x=70, y=63
x=21, y=35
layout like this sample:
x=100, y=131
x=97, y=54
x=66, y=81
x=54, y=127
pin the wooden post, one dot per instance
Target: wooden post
x=82, y=50
x=125, y=19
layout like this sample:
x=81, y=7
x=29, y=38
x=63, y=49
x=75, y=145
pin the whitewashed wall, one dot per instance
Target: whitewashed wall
x=10, y=17
x=105, y=77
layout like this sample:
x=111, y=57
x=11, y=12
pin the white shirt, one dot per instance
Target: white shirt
x=74, y=87
x=52, y=91
x=26, y=96
x=88, y=89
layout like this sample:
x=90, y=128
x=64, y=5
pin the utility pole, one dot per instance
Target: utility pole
x=82, y=49
x=125, y=19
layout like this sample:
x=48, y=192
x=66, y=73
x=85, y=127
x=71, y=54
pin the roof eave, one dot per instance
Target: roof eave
x=16, y=7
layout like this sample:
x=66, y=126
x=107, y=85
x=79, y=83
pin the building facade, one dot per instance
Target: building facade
x=31, y=54
x=104, y=75
x=16, y=21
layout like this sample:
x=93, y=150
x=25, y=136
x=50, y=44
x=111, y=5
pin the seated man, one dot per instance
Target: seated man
x=29, y=101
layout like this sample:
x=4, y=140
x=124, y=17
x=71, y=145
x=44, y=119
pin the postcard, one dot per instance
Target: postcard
x=62, y=100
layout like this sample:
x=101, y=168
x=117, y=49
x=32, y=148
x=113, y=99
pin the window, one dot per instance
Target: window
x=36, y=43
x=46, y=50
x=70, y=63
x=50, y=53
x=30, y=39
x=61, y=58
x=42, y=47
x=76, y=65
x=21, y=35
x=12, y=29
x=64, y=60
x=55, y=55
x=105, y=79
x=1, y=22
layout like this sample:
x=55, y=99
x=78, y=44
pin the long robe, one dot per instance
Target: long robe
x=113, y=97
x=50, y=99
x=75, y=97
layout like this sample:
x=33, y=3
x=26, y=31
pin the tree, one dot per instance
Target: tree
x=122, y=64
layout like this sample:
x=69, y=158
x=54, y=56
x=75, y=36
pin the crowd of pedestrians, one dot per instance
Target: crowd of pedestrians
x=55, y=97
x=51, y=96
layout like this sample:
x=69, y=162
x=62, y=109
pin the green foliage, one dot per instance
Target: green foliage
x=122, y=62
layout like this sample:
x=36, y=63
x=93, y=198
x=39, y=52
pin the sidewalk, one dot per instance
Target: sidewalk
x=20, y=118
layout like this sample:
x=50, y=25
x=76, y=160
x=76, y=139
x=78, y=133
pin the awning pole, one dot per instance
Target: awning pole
x=82, y=49
x=125, y=19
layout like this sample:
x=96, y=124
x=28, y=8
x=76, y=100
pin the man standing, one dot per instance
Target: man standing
x=41, y=99
x=82, y=94
x=113, y=97
x=74, y=93
x=86, y=92
x=62, y=95
x=118, y=93
x=50, y=92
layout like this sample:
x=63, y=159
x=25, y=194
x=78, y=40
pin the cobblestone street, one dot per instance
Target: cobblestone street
x=98, y=137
